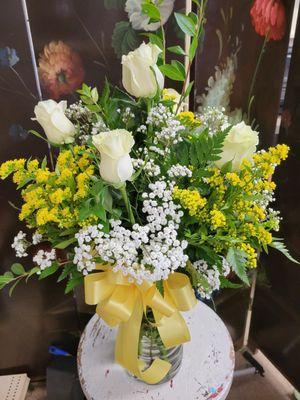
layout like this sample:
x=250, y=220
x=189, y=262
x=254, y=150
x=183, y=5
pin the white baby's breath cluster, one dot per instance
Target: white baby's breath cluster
x=44, y=259
x=167, y=127
x=37, y=238
x=98, y=127
x=20, y=245
x=150, y=168
x=213, y=119
x=126, y=114
x=150, y=252
x=211, y=275
x=78, y=111
x=179, y=171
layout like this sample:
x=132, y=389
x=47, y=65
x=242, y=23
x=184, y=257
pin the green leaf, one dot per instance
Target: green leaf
x=154, y=39
x=117, y=4
x=18, y=269
x=95, y=95
x=49, y=271
x=72, y=283
x=188, y=90
x=194, y=17
x=151, y=11
x=65, y=243
x=35, y=133
x=193, y=47
x=12, y=288
x=186, y=24
x=124, y=38
x=4, y=279
x=237, y=260
x=172, y=72
x=32, y=272
x=68, y=268
x=160, y=287
x=9, y=274
x=282, y=248
x=179, y=66
x=177, y=50
x=227, y=167
x=226, y=283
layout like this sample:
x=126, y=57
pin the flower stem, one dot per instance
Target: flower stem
x=127, y=204
x=250, y=96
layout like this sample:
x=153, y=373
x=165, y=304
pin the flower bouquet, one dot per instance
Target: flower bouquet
x=144, y=202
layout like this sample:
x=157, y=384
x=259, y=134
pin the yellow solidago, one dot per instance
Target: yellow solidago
x=42, y=175
x=250, y=253
x=188, y=118
x=218, y=219
x=233, y=178
x=190, y=200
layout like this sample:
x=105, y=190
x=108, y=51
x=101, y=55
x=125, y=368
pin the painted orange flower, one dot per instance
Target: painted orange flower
x=60, y=69
x=269, y=18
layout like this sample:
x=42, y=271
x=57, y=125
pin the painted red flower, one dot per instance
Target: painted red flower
x=60, y=69
x=269, y=18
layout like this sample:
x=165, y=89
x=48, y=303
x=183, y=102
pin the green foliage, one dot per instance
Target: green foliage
x=174, y=71
x=237, y=260
x=15, y=276
x=150, y=9
x=17, y=269
x=177, y=50
x=154, y=39
x=49, y=270
x=200, y=151
x=124, y=38
x=278, y=245
x=227, y=284
x=186, y=24
x=73, y=282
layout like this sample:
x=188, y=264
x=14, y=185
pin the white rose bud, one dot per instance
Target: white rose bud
x=140, y=74
x=51, y=116
x=239, y=144
x=114, y=147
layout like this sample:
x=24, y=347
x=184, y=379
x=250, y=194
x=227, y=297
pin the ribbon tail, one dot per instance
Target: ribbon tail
x=127, y=348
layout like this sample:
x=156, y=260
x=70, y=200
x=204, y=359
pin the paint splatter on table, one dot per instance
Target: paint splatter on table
x=206, y=372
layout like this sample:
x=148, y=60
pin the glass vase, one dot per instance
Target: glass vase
x=151, y=347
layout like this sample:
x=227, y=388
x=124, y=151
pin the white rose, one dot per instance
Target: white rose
x=140, y=21
x=114, y=147
x=239, y=144
x=51, y=116
x=140, y=74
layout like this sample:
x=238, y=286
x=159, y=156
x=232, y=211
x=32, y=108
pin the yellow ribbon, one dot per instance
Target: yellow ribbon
x=122, y=303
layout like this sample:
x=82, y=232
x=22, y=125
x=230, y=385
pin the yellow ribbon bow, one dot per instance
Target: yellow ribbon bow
x=122, y=303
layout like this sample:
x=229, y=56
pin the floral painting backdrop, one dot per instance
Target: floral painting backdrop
x=83, y=40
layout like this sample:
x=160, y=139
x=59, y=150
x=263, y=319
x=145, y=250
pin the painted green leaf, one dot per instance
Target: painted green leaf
x=124, y=38
x=18, y=269
x=49, y=271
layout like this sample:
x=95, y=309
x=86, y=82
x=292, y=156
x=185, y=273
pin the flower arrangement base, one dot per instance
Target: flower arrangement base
x=206, y=371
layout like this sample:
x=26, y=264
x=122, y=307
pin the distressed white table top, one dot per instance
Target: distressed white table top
x=206, y=372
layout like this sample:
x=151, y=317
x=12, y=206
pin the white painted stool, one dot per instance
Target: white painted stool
x=206, y=371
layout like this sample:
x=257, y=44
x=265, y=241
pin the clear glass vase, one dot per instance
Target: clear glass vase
x=151, y=347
